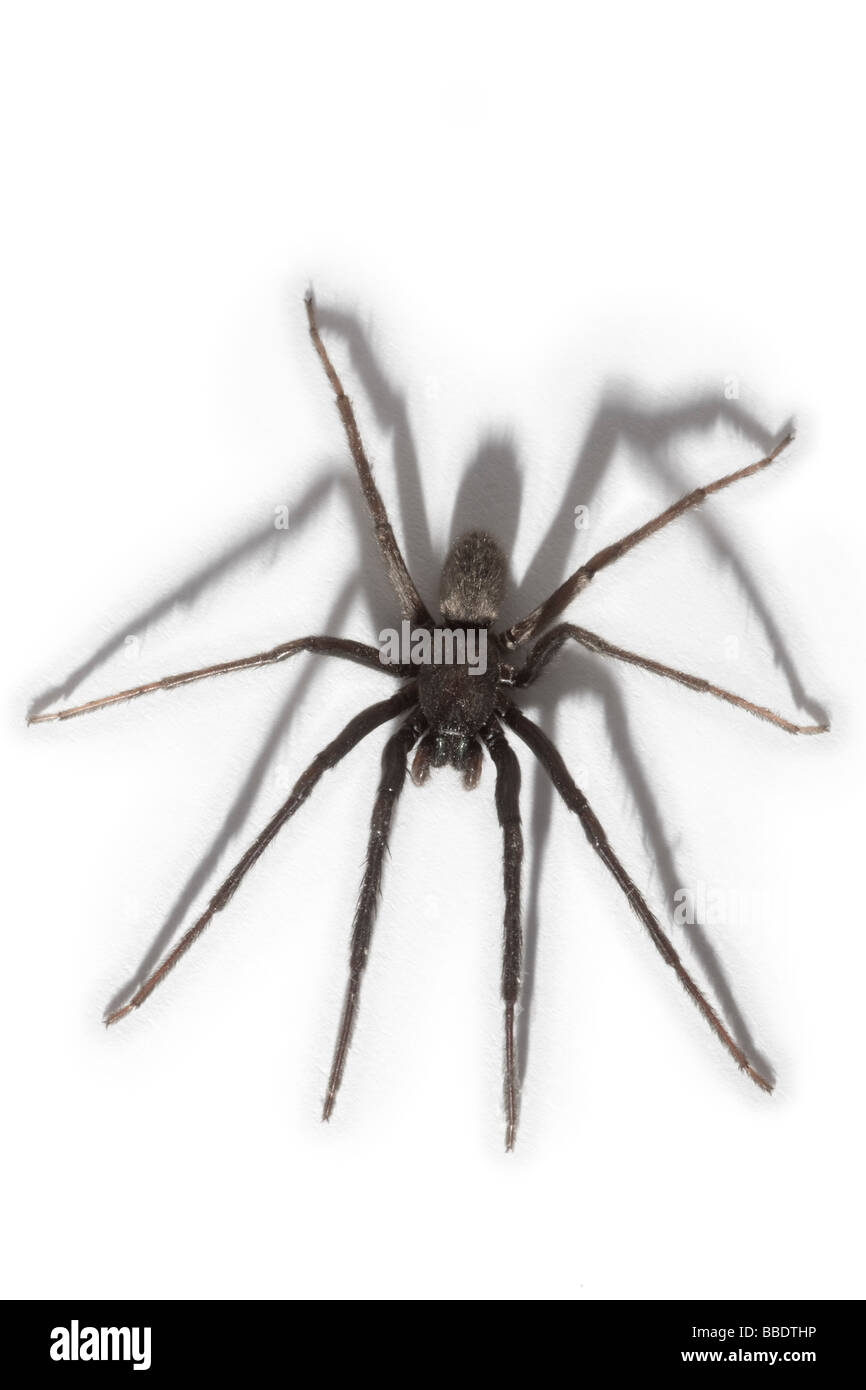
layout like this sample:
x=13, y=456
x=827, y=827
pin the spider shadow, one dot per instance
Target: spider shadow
x=372, y=588
x=370, y=584
x=621, y=418
x=257, y=544
x=490, y=495
x=237, y=814
x=579, y=669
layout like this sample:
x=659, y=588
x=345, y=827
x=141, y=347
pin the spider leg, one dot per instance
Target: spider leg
x=508, y=811
x=551, y=760
x=324, y=646
x=545, y=649
x=357, y=729
x=411, y=604
x=544, y=614
x=394, y=756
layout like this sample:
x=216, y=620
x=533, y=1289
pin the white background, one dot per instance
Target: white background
x=543, y=239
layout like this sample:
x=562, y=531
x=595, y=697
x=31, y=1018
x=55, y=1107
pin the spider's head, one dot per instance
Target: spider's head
x=457, y=698
x=473, y=581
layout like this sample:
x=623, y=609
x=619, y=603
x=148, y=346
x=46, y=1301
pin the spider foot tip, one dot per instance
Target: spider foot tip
x=116, y=1015
x=760, y=1081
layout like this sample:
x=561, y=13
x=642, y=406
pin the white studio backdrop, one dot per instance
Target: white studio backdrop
x=566, y=258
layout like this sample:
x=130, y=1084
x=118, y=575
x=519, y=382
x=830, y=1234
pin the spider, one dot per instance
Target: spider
x=449, y=714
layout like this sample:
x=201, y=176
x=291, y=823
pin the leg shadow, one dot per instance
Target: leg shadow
x=493, y=476
x=490, y=496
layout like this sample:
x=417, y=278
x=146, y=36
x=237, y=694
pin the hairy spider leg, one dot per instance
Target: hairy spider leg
x=547, y=647
x=411, y=604
x=357, y=729
x=344, y=647
x=551, y=760
x=393, y=777
x=544, y=614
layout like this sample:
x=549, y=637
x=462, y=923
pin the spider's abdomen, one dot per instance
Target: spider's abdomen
x=473, y=580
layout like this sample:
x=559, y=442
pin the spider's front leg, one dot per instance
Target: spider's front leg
x=357, y=729
x=508, y=811
x=551, y=760
x=394, y=757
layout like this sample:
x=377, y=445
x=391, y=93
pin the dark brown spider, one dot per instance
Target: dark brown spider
x=451, y=713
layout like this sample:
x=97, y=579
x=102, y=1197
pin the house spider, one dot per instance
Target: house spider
x=449, y=714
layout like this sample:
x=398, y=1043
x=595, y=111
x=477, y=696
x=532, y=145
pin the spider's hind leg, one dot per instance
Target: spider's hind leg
x=394, y=756
x=542, y=616
x=411, y=604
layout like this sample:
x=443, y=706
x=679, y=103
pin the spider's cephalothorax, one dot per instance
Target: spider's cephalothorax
x=458, y=697
x=454, y=711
